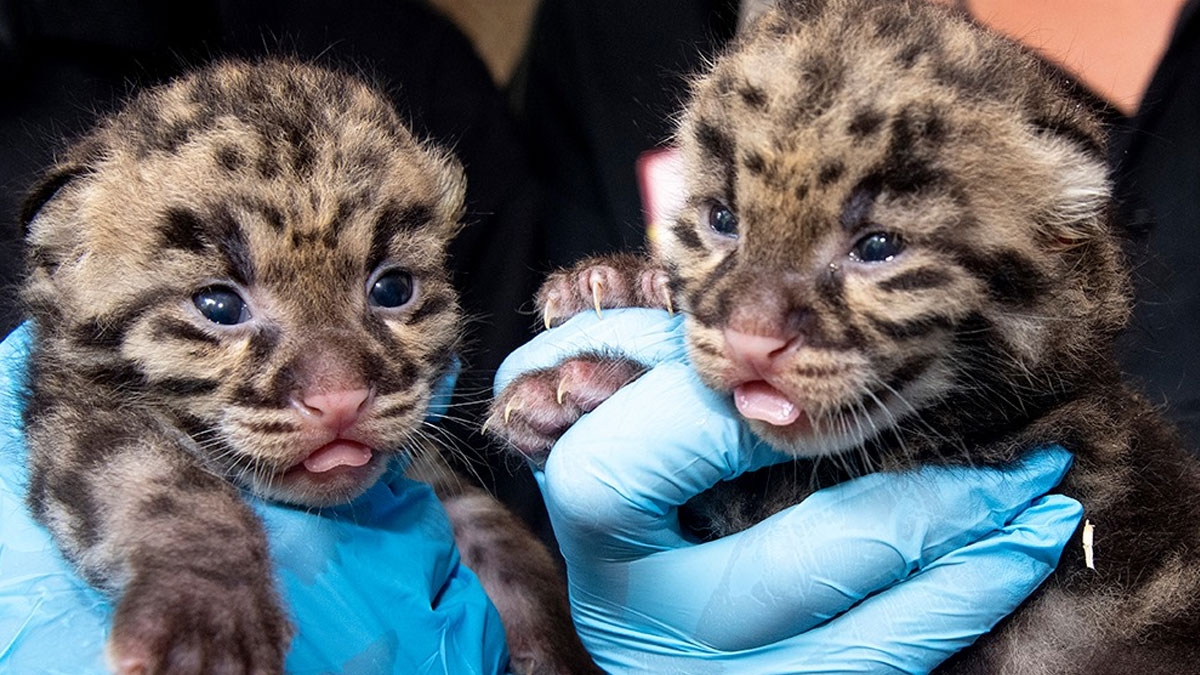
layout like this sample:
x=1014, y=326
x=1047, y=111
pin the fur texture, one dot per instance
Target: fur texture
x=897, y=250
x=239, y=281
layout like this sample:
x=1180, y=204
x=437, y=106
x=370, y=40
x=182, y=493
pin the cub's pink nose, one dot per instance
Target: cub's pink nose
x=335, y=410
x=761, y=352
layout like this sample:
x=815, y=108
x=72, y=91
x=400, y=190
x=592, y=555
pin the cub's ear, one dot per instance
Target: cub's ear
x=452, y=186
x=45, y=190
x=750, y=10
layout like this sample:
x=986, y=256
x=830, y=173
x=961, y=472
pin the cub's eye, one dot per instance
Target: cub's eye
x=222, y=304
x=391, y=289
x=722, y=220
x=877, y=247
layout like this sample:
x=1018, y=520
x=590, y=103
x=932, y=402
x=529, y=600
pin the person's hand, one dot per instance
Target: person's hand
x=884, y=573
x=374, y=586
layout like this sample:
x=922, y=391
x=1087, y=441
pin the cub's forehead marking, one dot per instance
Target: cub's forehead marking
x=217, y=229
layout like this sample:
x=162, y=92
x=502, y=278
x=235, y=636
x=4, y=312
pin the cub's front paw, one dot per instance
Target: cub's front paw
x=533, y=411
x=607, y=282
x=185, y=623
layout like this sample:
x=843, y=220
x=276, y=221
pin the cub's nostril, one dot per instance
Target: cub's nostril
x=335, y=409
x=759, y=351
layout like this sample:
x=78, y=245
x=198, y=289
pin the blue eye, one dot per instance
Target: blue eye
x=222, y=304
x=722, y=220
x=391, y=289
x=877, y=247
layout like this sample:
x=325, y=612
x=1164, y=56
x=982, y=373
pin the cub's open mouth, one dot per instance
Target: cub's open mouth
x=758, y=400
x=337, y=457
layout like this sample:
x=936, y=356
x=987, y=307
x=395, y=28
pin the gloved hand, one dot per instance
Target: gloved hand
x=885, y=573
x=372, y=587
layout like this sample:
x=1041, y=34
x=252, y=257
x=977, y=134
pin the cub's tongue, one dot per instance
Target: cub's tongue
x=760, y=401
x=337, y=453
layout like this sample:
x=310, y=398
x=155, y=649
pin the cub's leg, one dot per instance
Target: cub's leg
x=516, y=570
x=533, y=411
x=182, y=555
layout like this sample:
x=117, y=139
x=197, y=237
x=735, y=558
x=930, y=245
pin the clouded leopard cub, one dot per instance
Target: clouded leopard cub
x=897, y=249
x=239, y=282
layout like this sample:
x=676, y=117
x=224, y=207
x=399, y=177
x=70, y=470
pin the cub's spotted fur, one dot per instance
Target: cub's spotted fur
x=239, y=282
x=898, y=249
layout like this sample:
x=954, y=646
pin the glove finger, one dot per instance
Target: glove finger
x=647, y=335
x=614, y=479
x=815, y=560
x=915, y=625
x=910, y=628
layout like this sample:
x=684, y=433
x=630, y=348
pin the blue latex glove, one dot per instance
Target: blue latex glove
x=940, y=555
x=372, y=587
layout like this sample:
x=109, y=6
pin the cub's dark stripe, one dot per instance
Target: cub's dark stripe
x=380, y=331
x=182, y=229
x=75, y=489
x=300, y=239
x=889, y=23
x=824, y=75
x=107, y=332
x=915, y=280
x=159, y=506
x=400, y=378
x=1010, y=277
x=368, y=161
x=248, y=396
x=754, y=163
x=709, y=314
x=262, y=345
x=913, y=328
x=268, y=164
x=907, y=373
x=858, y=205
x=706, y=348
x=188, y=478
x=186, y=386
x=866, y=122
x=170, y=327
x=270, y=213
x=374, y=367
x=687, y=237
x=914, y=131
x=434, y=305
x=270, y=427
x=345, y=208
x=715, y=142
x=229, y=578
x=907, y=57
x=830, y=285
x=393, y=219
x=1064, y=128
x=397, y=410
x=230, y=240
x=123, y=376
x=753, y=96
x=830, y=172
x=230, y=158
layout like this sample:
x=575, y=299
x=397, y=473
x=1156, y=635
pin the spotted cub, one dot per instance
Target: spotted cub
x=898, y=249
x=239, y=285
